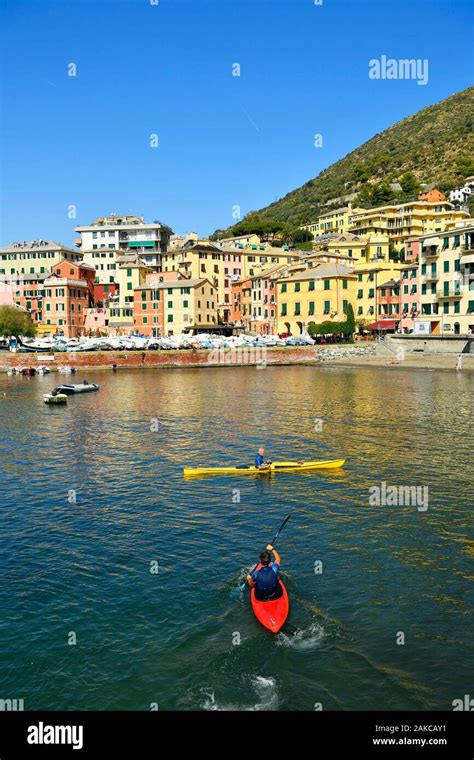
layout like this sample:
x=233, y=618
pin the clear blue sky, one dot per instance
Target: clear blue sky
x=223, y=140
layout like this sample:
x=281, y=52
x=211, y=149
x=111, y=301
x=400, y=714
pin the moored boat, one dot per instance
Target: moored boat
x=55, y=398
x=70, y=388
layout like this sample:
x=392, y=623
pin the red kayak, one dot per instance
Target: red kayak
x=271, y=614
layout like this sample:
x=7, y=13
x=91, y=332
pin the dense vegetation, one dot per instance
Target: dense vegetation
x=434, y=146
x=14, y=322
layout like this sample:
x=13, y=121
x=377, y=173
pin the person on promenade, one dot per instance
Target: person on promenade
x=260, y=460
x=459, y=363
x=265, y=579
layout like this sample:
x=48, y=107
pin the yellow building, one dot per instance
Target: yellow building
x=35, y=257
x=188, y=305
x=316, y=295
x=131, y=274
x=369, y=276
x=355, y=247
x=240, y=241
x=335, y=221
x=406, y=220
x=446, y=274
x=222, y=266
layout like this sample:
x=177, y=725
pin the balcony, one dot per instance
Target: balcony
x=430, y=251
x=467, y=257
x=451, y=293
x=433, y=277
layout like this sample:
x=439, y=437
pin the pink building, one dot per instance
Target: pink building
x=409, y=296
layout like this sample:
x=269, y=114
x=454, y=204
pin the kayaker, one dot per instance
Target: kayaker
x=265, y=579
x=260, y=459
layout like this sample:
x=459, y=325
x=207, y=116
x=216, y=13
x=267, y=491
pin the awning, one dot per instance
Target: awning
x=384, y=324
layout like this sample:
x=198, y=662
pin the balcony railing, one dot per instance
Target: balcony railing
x=431, y=250
x=451, y=293
x=433, y=277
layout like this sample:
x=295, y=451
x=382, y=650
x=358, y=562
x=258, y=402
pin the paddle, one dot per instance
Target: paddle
x=272, y=544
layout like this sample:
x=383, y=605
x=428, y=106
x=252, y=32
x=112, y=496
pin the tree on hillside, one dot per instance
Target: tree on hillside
x=410, y=185
x=14, y=322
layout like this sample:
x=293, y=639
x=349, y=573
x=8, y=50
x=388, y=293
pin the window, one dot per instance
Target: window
x=283, y=310
x=129, y=272
x=170, y=317
x=457, y=265
x=145, y=320
x=327, y=307
x=371, y=293
x=185, y=304
x=384, y=290
x=297, y=287
x=405, y=289
x=359, y=278
x=457, y=307
x=143, y=294
x=297, y=309
x=344, y=284
x=129, y=286
x=311, y=285
x=345, y=306
x=446, y=307
x=423, y=269
x=327, y=284
x=170, y=304
x=446, y=266
x=283, y=287
x=311, y=308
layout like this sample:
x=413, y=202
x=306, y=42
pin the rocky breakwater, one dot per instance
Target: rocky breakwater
x=333, y=353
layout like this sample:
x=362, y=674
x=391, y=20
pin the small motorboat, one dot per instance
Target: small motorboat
x=66, y=370
x=70, y=388
x=55, y=398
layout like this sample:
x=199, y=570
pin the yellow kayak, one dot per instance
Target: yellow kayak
x=328, y=464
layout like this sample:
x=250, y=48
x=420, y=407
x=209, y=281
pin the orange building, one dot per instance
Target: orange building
x=65, y=302
x=241, y=302
x=77, y=271
x=432, y=196
x=148, y=312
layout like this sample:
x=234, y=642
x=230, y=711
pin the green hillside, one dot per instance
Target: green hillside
x=434, y=146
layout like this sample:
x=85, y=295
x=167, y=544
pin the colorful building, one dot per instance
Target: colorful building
x=388, y=306
x=223, y=266
x=406, y=220
x=431, y=196
x=110, y=237
x=65, y=302
x=315, y=295
x=335, y=221
x=446, y=274
x=409, y=295
x=77, y=271
x=369, y=277
x=355, y=248
x=264, y=314
x=35, y=257
x=174, y=307
x=241, y=303
x=132, y=273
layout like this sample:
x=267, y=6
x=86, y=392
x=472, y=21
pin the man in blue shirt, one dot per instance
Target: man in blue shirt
x=265, y=579
x=260, y=460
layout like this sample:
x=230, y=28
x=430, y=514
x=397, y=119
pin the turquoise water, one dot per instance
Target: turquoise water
x=83, y=569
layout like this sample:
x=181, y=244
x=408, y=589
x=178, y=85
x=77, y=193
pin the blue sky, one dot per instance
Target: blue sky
x=224, y=141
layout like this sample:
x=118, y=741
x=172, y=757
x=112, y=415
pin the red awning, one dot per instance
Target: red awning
x=384, y=324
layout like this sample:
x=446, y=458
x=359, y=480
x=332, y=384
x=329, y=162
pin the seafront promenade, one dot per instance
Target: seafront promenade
x=371, y=355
